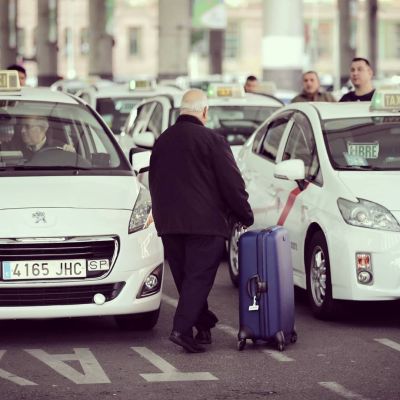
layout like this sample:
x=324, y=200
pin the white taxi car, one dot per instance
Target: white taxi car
x=76, y=237
x=232, y=113
x=330, y=173
x=115, y=102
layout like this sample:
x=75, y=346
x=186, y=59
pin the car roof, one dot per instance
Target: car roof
x=40, y=94
x=122, y=90
x=249, y=99
x=342, y=110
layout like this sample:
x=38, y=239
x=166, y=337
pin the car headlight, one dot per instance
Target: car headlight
x=367, y=214
x=141, y=216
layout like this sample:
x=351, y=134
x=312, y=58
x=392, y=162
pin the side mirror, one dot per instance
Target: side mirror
x=291, y=170
x=140, y=161
x=145, y=140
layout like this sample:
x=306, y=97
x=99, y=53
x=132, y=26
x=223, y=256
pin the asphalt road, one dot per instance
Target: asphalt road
x=356, y=356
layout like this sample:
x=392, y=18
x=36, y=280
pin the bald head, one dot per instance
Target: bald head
x=194, y=102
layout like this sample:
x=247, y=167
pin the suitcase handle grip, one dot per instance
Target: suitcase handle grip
x=255, y=287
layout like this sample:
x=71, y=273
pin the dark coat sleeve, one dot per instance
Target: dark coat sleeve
x=231, y=183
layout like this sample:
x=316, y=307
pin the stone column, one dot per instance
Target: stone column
x=216, y=45
x=371, y=29
x=100, y=41
x=46, y=42
x=8, y=33
x=346, y=44
x=174, y=38
x=283, y=42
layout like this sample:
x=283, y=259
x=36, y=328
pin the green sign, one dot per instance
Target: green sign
x=209, y=14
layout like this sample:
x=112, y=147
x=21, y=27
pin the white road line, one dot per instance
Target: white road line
x=341, y=390
x=389, y=343
x=14, y=378
x=169, y=372
x=277, y=355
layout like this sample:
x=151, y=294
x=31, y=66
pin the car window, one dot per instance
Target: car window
x=155, y=122
x=115, y=111
x=301, y=145
x=368, y=143
x=142, y=118
x=268, y=147
x=54, y=136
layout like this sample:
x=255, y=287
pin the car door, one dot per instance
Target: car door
x=296, y=206
x=259, y=168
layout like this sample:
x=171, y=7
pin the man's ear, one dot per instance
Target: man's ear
x=205, y=111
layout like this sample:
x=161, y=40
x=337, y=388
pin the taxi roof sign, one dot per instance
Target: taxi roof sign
x=142, y=84
x=9, y=81
x=386, y=99
x=225, y=90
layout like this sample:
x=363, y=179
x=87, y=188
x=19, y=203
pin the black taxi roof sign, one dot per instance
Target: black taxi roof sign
x=9, y=81
x=386, y=99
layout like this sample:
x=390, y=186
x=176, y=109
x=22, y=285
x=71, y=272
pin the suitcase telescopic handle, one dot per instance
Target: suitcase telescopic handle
x=255, y=286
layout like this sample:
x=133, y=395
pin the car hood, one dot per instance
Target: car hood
x=379, y=187
x=104, y=192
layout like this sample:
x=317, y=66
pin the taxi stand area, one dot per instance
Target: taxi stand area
x=384, y=106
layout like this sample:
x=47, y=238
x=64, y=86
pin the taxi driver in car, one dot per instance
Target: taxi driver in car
x=34, y=137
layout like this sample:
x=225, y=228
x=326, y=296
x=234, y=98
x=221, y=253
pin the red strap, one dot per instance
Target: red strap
x=289, y=204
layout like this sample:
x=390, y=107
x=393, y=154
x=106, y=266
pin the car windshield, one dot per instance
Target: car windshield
x=54, y=136
x=236, y=123
x=368, y=143
x=115, y=110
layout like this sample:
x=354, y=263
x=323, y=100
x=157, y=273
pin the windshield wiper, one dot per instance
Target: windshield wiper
x=361, y=168
x=43, y=168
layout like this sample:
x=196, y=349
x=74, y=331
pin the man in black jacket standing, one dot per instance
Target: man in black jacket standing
x=195, y=184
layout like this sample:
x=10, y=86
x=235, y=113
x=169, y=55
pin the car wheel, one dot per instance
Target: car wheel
x=138, y=322
x=233, y=253
x=319, y=286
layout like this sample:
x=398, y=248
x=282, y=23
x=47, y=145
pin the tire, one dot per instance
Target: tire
x=233, y=253
x=319, y=284
x=138, y=322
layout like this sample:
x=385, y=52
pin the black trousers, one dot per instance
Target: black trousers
x=194, y=260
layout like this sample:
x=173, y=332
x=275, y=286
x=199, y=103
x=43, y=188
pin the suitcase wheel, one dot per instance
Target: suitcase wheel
x=241, y=344
x=293, y=338
x=280, y=340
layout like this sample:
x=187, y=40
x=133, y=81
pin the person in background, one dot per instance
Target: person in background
x=195, y=186
x=251, y=84
x=361, y=77
x=312, y=89
x=21, y=73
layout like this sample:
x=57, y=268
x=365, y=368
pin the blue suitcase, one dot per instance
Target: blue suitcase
x=266, y=292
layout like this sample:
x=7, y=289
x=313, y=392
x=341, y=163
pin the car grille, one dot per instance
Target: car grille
x=59, y=249
x=60, y=295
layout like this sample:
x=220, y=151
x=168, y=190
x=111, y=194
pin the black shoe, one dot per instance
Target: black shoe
x=204, y=336
x=188, y=343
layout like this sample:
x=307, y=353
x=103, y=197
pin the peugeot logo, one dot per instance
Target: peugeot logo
x=39, y=216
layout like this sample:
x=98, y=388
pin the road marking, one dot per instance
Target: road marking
x=92, y=371
x=341, y=391
x=389, y=343
x=277, y=355
x=13, y=378
x=169, y=372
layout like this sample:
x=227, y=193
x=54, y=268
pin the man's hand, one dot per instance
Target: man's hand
x=69, y=147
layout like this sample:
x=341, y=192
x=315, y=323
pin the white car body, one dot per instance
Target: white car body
x=276, y=200
x=154, y=115
x=119, y=93
x=45, y=212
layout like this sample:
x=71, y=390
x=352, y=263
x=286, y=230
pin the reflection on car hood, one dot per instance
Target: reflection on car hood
x=105, y=192
x=376, y=186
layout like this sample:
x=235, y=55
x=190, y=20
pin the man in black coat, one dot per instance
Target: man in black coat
x=195, y=186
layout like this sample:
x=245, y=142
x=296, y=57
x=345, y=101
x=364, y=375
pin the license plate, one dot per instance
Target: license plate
x=44, y=269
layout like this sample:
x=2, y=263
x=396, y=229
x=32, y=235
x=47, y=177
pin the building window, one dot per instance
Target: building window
x=84, y=41
x=134, y=41
x=232, y=41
